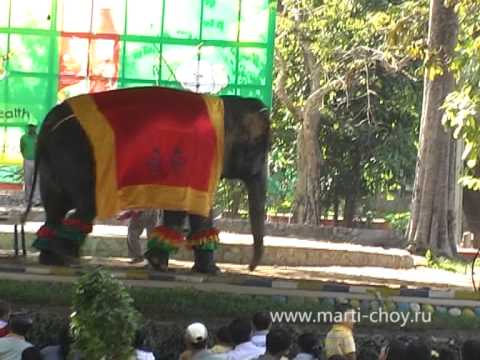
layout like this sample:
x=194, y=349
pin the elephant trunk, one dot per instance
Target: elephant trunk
x=257, y=188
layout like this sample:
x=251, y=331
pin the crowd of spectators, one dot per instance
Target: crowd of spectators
x=242, y=339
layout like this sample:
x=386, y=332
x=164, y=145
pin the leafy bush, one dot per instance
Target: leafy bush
x=399, y=221
x=104, y=319
x=454, y=265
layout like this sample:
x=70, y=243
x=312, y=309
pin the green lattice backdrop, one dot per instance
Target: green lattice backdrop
x=52, y=49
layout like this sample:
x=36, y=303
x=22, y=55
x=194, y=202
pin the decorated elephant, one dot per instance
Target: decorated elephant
x=152, y=147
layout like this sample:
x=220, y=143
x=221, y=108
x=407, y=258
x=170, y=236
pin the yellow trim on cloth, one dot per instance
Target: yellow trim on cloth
x=110, y=200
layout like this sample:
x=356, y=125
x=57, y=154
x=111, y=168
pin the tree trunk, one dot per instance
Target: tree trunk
x=432, y=224
x=352, y=197
x=349, y=209
x=336, y=206
x=307, y=197
x=237, y=194
x=300, y=187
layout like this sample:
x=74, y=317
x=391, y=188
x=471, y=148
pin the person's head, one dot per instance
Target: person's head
x=20, y=324
x=261, y=321
x=345, y=314
x=223, y=336
x=278, y=342
x=139, y=340
x=471, y=350
x=31, y=353
x=4, y=310
x=418, y=350
x=308, y=343
x=196, y=336
x=31, y=129
x=240, y=331
x=395, y=350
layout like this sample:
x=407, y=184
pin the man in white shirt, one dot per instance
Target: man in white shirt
x=278, y=344
x=244, y=349
x=261, y=326
x=310, y=348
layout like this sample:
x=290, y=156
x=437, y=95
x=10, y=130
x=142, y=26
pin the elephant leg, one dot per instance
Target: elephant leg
x=165, y=239
x=203, y=239
x=65, y=235
x=67, y=181
x=56, y=204
x=80, y=188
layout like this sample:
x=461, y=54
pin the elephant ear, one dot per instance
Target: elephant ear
x=255, y=126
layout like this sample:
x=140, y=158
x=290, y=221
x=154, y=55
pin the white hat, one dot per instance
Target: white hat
x=196, y=333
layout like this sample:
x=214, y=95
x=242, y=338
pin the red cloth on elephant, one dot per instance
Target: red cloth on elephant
x=153, y=148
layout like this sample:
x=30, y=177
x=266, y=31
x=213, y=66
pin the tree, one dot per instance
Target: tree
x=368, y=141
x=432, y=225
x=324, y=47
x=462, y=106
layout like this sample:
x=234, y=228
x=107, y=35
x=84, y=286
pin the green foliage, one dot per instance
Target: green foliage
x=399, y=221
x=104, y=320
x=47, y=293
x=185, y=304
x=282, y=162
x=231, y=197
x=368, y=129
x=453, y=265
x=462, y=106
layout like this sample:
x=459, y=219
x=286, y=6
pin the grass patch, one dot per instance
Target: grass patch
x=454, y=265
x=188, y=304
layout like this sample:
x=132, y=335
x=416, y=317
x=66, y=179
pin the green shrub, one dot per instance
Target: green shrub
x=104, y=319
x=399, y=221
x=457, y=265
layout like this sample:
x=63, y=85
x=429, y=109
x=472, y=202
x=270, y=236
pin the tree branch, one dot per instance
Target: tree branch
x=316, y=98
x=376, y=55
x=281, y=91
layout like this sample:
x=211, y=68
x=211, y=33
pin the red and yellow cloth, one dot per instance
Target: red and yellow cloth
x=153, y=148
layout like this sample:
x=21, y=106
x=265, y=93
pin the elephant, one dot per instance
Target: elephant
x=66, y=164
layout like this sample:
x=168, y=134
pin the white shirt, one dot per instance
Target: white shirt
x=11, y=347
x=303, y=356
x=143, y=355
x=245, y=351
x=260, y=338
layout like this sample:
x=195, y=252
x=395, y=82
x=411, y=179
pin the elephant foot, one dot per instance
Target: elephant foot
x=57, y=252
x=58, y=239
x=157, y=259
x=50, y=258
x=205, y=262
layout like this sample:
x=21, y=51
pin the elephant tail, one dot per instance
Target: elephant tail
x=24, y=216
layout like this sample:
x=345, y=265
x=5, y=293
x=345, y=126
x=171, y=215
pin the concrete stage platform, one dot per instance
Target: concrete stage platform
x=310, y=277
x=288, y=262
x=110, y=241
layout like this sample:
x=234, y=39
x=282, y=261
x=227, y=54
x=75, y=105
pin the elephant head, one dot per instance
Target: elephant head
x=247, y=141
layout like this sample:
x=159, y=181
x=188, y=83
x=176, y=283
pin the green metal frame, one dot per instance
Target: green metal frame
x=51, y=75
